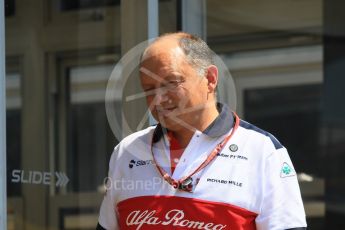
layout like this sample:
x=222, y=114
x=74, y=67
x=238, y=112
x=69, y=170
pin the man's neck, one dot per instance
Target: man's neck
x=184, y=135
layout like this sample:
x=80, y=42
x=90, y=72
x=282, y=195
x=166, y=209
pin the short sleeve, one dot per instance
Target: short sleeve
x=107, y=215
x=282, y=206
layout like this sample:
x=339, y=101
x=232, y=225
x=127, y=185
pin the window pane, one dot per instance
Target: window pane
x=10, y=7
x=299, y=107
x=90, y=140
x=66, y=5
x=13, y=130
x=247, y=25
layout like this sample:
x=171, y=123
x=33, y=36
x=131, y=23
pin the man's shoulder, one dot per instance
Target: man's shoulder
x=138, y=138
x=134, y=144
x=259, y=133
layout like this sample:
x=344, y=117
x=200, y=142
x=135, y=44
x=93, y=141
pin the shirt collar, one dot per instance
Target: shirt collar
x=219, y=127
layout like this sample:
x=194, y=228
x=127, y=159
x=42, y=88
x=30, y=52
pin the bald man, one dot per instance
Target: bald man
x=201, y=166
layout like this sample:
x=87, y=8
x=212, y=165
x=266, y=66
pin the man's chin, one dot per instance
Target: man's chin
x=168, y=124
x=173, y=125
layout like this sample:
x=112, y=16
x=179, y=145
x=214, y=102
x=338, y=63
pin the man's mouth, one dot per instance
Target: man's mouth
x=165, y=111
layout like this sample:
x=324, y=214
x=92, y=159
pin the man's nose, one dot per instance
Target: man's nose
x=160, y=95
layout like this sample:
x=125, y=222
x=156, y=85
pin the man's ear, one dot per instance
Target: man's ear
x=212, y=78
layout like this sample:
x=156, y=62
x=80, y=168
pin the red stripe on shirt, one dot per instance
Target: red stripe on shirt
x=172, y=212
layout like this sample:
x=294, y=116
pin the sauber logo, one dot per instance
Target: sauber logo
x=173, y=218
x=133, y=163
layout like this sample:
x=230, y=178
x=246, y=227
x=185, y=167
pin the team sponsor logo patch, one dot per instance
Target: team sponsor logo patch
x=287, y=171
x=131, y=163
x=172, y=212
x=222, y=181
x=232, y=156
x=174, y=218
x=134, y=163
x=233, y=148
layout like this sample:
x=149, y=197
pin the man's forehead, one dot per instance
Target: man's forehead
x=167, y=45
x=162, y=57
x=162, y=53
x=160, y=68
x=163, y=60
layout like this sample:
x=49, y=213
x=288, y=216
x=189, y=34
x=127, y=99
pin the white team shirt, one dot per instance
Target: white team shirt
x=251, y=184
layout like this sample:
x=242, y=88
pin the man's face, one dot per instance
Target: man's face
x=175, y=93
